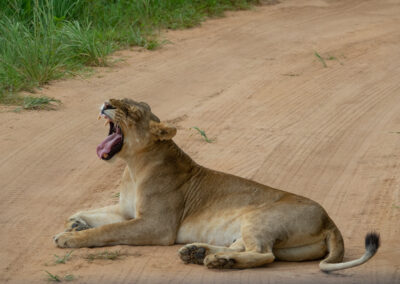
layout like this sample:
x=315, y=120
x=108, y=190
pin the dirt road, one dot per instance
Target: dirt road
x=278, y=116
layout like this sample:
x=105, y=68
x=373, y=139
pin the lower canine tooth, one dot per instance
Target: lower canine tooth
x=105, y=155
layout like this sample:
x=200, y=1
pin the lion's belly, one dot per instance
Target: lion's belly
x=220, y=230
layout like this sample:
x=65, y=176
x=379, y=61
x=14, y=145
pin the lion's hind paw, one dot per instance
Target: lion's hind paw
x=192, y=254
x=219, y=261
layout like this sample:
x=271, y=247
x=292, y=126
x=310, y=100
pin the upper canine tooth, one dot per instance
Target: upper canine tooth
x=107, y=122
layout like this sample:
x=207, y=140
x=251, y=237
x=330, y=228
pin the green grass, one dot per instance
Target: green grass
x=203, y=134
x=62, y=259
x=44, y=40
x=31, y=102
x=323, y=60
x=320, y=58
x=69, y=277
x=55, y=278
x=52, y=277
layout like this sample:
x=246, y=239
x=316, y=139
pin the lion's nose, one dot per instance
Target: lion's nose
x=105, y=106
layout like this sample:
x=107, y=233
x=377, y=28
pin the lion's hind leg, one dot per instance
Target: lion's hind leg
x=237, y=257
x=257, y=242
x=196, y=252
x=250, y=255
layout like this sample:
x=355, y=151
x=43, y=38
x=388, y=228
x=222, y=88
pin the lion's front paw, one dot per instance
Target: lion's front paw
x=65, y=240
x=192, y=254
x=219, y=261
x=76, y=224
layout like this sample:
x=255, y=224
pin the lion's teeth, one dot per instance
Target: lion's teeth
x=105, y=155
x=107, y=122
x=101, y=115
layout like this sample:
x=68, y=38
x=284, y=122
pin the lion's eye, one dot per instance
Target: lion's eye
x=135, y=115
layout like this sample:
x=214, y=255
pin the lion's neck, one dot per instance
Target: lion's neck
x=164, y=155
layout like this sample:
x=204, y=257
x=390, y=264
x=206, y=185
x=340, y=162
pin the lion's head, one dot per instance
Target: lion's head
x=133, y=128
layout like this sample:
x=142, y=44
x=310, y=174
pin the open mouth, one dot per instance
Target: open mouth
x=115, y=139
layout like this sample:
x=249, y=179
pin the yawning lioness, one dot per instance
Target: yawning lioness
x=226, y=221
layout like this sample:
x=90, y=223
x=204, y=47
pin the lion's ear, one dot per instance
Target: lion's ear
x=162, y=130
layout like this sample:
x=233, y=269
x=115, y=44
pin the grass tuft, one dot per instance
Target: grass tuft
x=29, y=102
x=203, y=134
x=323, y=60
x=320, y=58
x=52, y=277
x=69, y=277
x=85, y=45
x=55, y=278
x=35, y=103
x=62, y=259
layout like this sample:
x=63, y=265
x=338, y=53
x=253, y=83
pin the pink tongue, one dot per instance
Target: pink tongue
x=106, y=146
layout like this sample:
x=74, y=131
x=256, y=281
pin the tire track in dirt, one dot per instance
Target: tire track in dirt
x=324, y=133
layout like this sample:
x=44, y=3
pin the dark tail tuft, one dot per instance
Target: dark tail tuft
x=372, y=242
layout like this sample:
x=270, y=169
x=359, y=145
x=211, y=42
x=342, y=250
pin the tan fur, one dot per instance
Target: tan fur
x=228, y=221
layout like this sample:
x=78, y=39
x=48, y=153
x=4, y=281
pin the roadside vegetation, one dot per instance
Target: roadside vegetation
x=44, y=40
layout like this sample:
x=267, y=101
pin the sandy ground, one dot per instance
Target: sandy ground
x=253, y=82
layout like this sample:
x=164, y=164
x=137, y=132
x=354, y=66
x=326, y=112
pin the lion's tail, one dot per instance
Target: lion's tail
x=372, y=243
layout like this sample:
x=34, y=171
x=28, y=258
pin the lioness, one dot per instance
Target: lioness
x=230, y=222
